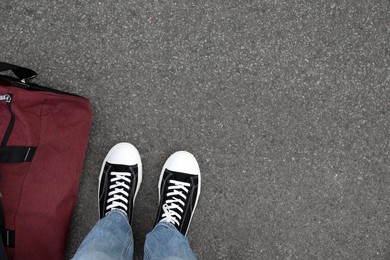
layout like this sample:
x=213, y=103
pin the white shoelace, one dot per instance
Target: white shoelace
x=118, y=197
x=173, y=206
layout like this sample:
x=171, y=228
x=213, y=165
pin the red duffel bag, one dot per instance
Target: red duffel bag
x=43, y=135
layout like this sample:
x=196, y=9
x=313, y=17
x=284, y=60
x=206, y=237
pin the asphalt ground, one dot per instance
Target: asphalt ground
x=285, y=104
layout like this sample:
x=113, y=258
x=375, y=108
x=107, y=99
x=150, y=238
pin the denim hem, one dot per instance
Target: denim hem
x=167, y=224
x=123, y=214
x=170, y=226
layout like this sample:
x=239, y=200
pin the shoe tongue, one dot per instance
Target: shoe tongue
x=123, y=168
x=179, y=176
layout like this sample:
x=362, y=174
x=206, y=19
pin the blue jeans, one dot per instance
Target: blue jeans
x=112, y=238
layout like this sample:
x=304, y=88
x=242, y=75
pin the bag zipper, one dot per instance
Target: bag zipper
x=8, y=99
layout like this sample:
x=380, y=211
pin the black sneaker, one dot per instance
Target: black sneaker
x=179, y=189
x=120, y=179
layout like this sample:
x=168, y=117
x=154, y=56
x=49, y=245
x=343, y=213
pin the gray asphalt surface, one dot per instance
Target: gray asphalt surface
x=285, y=104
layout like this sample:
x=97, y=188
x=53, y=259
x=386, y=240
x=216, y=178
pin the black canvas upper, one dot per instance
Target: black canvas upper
x=190, y=201
x=105, y=184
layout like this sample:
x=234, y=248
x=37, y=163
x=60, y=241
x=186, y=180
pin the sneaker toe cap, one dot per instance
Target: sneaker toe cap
x=184, y=162
x=125, y=154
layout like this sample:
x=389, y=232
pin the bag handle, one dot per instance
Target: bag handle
x=23, y=81
x=23, y=74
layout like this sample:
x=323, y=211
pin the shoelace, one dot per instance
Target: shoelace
x=173, y=206
x=118, y=197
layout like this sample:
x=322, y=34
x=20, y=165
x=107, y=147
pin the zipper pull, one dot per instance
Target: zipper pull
x=6, y=97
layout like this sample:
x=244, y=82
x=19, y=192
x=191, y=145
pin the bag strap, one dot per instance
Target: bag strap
x=23, y=74
x=17, y=154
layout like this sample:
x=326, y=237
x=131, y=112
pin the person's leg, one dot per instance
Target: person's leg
x=110, y=238
x=119, y=182
x=166, y=242
x=179, y=189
